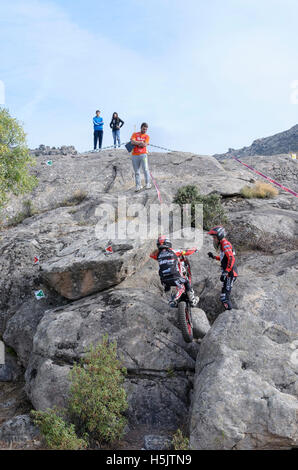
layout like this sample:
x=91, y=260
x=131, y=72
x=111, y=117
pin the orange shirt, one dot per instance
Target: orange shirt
x=140, y=138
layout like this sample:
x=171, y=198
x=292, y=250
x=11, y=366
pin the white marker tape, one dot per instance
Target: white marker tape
x=2, y=353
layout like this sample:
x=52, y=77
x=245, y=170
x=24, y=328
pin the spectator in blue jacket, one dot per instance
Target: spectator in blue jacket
x=98, y=130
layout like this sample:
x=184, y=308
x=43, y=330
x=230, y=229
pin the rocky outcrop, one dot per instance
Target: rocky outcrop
x=283, y=142
x=89, y=292
x=46, y=150
x=245, y=389
x=85, y=268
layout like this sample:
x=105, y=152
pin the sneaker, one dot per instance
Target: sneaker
x=195, y=301
x=192, y=298
x=148, y=186
x=138, y=188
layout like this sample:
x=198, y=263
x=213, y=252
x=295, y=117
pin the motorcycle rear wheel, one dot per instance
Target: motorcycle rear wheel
x=185, y=321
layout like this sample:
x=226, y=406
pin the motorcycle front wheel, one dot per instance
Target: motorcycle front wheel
x=185, y=321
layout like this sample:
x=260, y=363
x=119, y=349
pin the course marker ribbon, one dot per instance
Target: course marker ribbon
x=156, y=187
x=267, y=178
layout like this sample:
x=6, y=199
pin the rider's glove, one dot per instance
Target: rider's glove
x=224, y=276
x=211, y=255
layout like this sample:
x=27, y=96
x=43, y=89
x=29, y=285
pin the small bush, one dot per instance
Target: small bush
x=179, y=441
x=259, y=190
x=15, y=159
x=76, y=199
x=56, y=432
x=28, y=211
x=97, y=398
x=213, y=211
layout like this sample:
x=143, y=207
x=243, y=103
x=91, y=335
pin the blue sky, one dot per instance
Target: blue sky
x=205, y=75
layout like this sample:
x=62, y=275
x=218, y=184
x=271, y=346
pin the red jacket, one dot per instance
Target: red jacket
x=227, y=257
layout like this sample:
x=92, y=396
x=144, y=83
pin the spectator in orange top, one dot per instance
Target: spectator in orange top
x=140, y=140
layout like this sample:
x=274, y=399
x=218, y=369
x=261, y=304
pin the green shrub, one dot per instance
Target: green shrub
x=74, y=200
x=15, y=159
x=213, y=211
x=179, y=441
x=97, y=398
x=56, y=432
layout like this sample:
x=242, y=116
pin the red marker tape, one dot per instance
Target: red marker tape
x=267, y=178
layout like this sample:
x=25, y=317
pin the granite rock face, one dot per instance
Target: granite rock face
x=283, y=142
x=245, y=389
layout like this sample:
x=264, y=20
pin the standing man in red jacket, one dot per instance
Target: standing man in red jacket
x=227, y=260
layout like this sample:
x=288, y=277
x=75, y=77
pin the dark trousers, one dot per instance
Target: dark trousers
x=226, y=291
x=177, y=282
x=98, y=136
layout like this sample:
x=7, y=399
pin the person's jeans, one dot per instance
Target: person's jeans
x=98, y=136
x=116, y=136
x=139, y=161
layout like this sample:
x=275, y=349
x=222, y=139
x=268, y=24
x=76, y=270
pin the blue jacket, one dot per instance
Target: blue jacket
x=98, y=123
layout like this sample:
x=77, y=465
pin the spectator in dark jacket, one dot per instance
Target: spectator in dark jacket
x=116, y=124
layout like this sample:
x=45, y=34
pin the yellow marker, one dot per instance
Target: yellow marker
x=294, y=156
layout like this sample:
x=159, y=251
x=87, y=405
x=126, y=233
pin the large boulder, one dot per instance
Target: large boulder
x=85, y=268
x=201, y=325
x=245, y=388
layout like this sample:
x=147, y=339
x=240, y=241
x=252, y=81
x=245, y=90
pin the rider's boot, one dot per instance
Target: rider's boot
x=192, y=298
x=226, y=302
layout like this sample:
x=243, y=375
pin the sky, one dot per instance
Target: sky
x=205, y=75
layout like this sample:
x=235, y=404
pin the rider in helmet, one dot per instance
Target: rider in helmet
x=172, y=271
x=227, y=259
